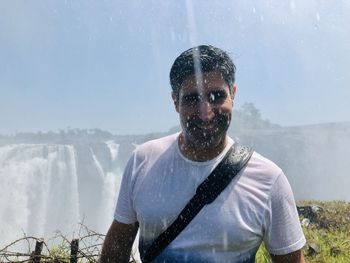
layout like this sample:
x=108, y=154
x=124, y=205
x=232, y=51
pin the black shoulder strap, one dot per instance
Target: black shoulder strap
x=234, y=160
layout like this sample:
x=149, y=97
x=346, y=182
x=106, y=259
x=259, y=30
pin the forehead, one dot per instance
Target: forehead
x=207, y=81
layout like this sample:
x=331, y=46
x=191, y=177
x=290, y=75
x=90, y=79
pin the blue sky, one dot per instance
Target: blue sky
x=105, y=64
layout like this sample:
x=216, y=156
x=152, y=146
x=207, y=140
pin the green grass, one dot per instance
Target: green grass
x=262, y=255
x=331, y=233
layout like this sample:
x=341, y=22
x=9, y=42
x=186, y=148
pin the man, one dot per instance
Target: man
x=162, y=176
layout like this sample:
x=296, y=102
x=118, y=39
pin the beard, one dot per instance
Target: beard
x=206, y=134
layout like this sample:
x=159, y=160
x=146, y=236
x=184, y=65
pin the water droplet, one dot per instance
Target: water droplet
x=318, y=16
x=212, y=97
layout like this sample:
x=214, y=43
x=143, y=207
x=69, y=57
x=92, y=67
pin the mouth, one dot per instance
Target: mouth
x=206, y=127
x=211, y=127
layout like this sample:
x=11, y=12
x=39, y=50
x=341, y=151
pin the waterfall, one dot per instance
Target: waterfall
x=53, y=187
x=68, y=178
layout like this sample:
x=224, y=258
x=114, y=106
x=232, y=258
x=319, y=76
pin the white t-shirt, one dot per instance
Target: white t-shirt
x=257, y=206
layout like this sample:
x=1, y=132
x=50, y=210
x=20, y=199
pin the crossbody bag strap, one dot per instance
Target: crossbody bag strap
x=234, y=160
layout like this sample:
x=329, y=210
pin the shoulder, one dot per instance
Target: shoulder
x=147, y=154
x=269, y=180
x=261, y=175
x=264, y=167
x=155, y=147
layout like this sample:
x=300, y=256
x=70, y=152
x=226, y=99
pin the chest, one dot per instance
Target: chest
x=164, y=192
x=164, y=189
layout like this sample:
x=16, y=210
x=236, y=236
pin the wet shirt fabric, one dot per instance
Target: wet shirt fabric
x=257, y=206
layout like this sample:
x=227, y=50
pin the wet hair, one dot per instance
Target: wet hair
x=201, y=59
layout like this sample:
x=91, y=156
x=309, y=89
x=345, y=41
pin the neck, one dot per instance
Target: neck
x=200, y=153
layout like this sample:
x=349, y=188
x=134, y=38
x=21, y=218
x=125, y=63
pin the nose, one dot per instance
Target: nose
x=205, y=111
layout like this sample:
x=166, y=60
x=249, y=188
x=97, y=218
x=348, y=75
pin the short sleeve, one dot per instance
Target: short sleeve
x=283, y=233
x=124, y=211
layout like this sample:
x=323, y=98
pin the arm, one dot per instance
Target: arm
x=118, y=243
x=283, y=236
x=294, y=257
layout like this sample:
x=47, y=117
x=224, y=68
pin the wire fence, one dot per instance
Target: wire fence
x=84, y=248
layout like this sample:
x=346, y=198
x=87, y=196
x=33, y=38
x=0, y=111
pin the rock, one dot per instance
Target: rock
x=310, y=212
x=335, y=251
x=316, y=208
x=323, y=233
x=313, y=249
x=305, y=222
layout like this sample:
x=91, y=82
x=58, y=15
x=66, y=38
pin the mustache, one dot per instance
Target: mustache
x=218, y=119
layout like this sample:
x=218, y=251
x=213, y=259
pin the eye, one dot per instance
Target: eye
x=217, y=96
x=191, y=99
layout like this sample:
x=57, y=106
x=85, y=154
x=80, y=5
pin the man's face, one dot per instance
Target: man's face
x=205, y=108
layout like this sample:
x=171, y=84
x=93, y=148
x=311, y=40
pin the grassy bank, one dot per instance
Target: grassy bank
x=327, y=233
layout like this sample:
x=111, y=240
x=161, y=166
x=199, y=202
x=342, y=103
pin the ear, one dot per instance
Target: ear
x=175, y=100
x=233, y=91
